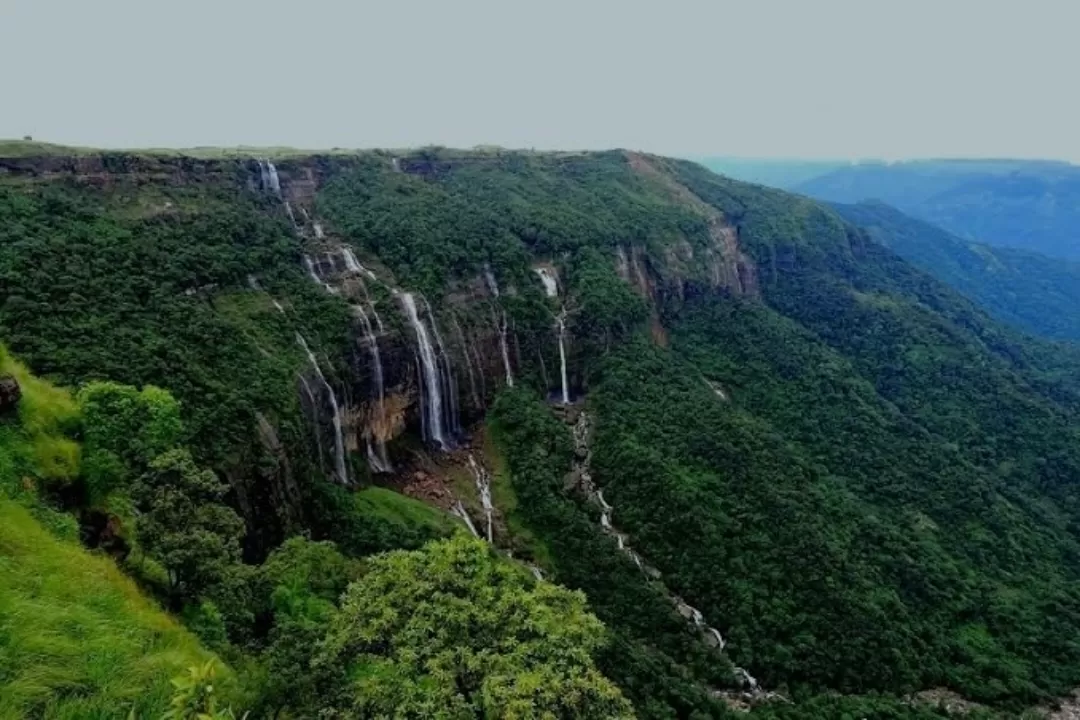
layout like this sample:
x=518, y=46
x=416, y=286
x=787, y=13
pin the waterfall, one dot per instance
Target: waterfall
x=468, y=365
x=377, y=456
x=622, y=263
x=500, y=323
x=353, y=265
x=501, y=320
x=747, y=678
x=483, y=486
x=459, y=510
x=560, y=320
x=446, y=374
x=268, y=175
x=253, y=283
x=339, y=441
x=489, y=278
x=317, y=227
x=536, y=573
x=433, y=408
x=289, y=212
x=314, y=404
x=315, y=276
x=547, y=277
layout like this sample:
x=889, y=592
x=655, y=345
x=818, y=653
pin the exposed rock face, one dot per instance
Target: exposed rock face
x=10, y=392
x=724, y=263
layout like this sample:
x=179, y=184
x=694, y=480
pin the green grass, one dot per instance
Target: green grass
x=34, y=442
x=77, y=639
x=402, y=511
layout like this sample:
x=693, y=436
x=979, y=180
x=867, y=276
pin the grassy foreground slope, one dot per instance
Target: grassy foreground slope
x=77, y=638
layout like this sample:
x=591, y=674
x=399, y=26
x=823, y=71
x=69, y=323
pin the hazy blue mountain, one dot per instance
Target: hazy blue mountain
x=775, y=172
x=1033, y=205
x=1029, y=290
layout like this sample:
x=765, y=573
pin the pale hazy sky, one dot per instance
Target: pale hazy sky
x=815, y=78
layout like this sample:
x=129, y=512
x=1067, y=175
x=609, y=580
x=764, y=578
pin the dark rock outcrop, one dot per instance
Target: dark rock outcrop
x=10, y=392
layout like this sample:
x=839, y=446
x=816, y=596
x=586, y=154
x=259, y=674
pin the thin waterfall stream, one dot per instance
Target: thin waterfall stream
x=583, y=456
x=340, y=467
x=433, y=408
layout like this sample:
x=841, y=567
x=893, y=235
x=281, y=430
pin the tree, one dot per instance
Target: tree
x=453, y=631
x=185, y=525
x=124, y=429
x=195, y=697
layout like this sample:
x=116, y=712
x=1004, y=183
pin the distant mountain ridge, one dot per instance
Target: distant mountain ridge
x=1034, y=205
x=1028, y=290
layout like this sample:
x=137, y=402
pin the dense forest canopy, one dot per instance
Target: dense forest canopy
x=1033, y=292
x=723, y=450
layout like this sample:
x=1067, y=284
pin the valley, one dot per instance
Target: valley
x=599, y=434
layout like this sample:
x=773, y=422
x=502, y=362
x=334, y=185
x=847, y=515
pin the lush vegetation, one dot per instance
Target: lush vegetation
x=863, y=481
x=77, y=639
x=453, y=631
x=1030, y=291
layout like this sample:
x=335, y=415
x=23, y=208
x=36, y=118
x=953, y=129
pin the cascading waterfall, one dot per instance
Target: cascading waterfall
x=500, y=323
x=446, y=374
x=483, y=486
x=253, y=283
x=340, y=467
x=459, y=510
x=468, y=364
x=317, y=227
x=551, y=284
x=432, y=410
x=353, y=265
x=581, y=442
x=560, y=321
x=314, y=275
x=551, y=289
x=501, y=320
x=489, y=278
x=269, y=176
x=377, y=456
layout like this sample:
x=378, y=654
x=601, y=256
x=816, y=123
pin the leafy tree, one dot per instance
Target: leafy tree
x=124, y=430
x=452, y=631
x=195, y=697
x=184, y=524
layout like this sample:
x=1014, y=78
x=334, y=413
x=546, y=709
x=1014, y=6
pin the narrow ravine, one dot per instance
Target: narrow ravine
x=581, y=471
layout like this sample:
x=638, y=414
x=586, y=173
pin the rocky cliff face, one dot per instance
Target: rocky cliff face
x=420, y=362
x=9, y=393
x=477, y=347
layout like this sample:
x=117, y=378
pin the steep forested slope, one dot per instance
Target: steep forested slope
x=77, y=638
x=772, y=454
x=1027, y=290
x=1031, y=205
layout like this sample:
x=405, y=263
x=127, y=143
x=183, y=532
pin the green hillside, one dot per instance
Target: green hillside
x=789, y=471
x=77, y=637
x=1027, y=290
